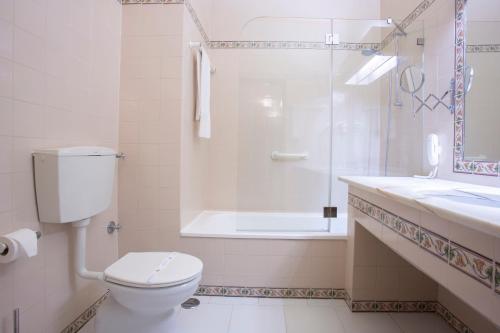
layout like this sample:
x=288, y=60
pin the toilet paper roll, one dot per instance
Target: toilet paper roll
x=22, y=242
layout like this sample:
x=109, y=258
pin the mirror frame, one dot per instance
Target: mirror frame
x=460, y=164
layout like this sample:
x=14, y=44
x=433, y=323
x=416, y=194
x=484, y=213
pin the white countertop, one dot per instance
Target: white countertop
x=477, y=207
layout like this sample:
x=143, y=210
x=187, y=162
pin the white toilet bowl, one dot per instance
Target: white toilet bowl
x=152, y=302
x=145, y=290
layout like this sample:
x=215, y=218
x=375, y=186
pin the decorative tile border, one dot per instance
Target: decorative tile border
x=186, y=3
x=86, y=316
x=409, y=306
x=392, y=306
x=313, y=293
x=487, y=48
x=451, y=319
x=435, y=244
x=458, y=256
x=473, y=264
x=410, y=231
x=276, y=45
x=196, y=21
x=461, y=165
x=497, y=277
x=407, y=21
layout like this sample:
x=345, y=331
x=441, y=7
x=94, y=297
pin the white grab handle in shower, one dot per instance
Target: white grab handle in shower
x=279, y=156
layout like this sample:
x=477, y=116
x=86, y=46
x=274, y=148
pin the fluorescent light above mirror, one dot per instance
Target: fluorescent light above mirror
x=373, y=70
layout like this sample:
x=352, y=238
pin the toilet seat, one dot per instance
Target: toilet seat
x=154, y=269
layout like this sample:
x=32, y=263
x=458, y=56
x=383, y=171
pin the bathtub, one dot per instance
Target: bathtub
x=265, y=225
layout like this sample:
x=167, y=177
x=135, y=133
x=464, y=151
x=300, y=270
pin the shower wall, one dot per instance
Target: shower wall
x=405, y=144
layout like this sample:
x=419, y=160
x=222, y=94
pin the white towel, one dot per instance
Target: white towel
x=203, y=73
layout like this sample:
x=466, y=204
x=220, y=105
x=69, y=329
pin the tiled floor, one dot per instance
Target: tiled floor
x=253, y=315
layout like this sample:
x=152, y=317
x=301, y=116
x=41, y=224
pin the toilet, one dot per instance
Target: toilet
x=73, y=185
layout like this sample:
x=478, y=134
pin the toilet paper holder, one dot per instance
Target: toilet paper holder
x=4, y=249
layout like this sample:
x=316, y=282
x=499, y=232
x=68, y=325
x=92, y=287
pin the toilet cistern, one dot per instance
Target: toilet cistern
x=72, y=185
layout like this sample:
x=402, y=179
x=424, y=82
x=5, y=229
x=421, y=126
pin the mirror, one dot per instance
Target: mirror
x=412, y=79
x=481, y=86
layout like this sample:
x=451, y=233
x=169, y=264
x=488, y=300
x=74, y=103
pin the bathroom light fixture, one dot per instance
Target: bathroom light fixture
x=373, y=70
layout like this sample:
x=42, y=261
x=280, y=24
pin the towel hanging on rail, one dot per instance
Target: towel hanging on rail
x=203, y=76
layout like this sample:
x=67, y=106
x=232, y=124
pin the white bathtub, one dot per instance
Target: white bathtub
x=224, y=224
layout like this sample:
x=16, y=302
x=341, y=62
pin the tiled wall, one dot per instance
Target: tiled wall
x=59, y=84
x=162, y=186
x=229, y=17
x=377, y=273
x=467, y=314
x=150, y=110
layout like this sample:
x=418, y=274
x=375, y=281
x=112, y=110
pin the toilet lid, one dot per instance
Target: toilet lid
x=154, y=269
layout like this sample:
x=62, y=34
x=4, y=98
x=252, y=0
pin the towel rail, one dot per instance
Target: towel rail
x=197, y=45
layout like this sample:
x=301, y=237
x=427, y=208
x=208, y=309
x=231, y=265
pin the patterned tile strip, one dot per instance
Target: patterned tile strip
x=85, y=317
x=186, y=3
x=392, y=306
x=467, y=261
x=435, y=244
x=407, y=21
x=316, y=293
x=471, y=263
x=497, y=277
x=487, y=48
x=460, y=165
x=275, y=45
x=196, y=21
x=451, y=319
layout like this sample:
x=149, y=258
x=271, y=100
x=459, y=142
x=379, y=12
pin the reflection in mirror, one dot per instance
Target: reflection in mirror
x=469, y=77
x=481, y=78
x=412, y=79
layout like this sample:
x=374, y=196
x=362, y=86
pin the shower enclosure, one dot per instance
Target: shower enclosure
x=312, y=106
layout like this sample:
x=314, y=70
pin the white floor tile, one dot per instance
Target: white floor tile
x=203, y=299
x=206, y=318
x=327, y=302
x=421, y=322
x=257, y=319
x=234, y=300
x=282, y=301
x=359, y=322
x=274, y=315
x=312, y=319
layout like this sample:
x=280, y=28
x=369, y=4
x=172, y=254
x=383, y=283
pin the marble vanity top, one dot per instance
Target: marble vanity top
x=477, y=207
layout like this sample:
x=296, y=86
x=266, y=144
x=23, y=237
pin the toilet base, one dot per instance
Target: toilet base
x=111, y=317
